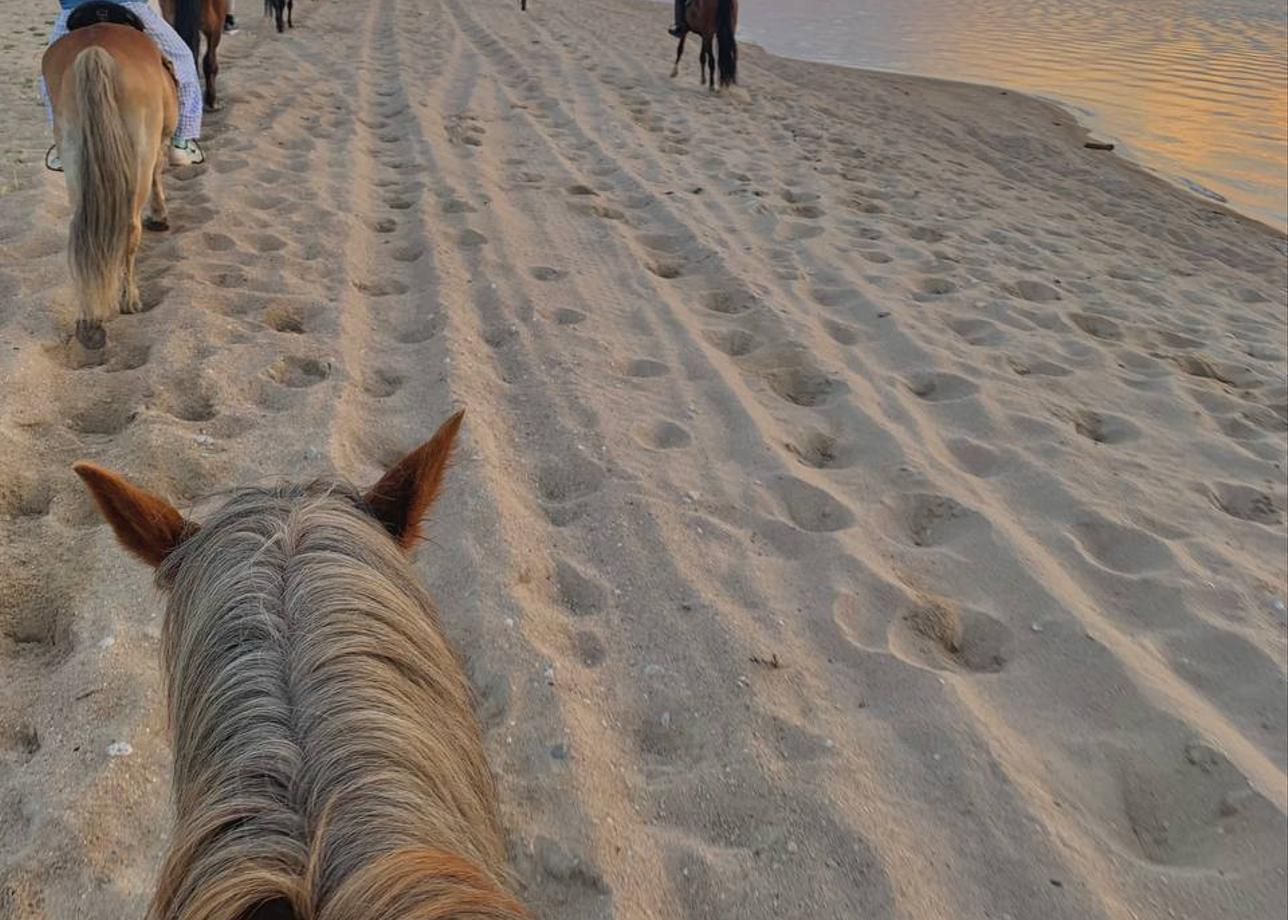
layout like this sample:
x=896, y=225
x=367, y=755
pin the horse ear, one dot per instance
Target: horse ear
x=147, y=526
x=401, y=498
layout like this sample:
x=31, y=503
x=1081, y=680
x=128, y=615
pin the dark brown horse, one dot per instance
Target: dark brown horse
x=283, y=12
x=192, y=19
x=714, y=20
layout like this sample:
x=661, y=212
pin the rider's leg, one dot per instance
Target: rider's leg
x=680, y=27
x=53, y=159
x=185, y=70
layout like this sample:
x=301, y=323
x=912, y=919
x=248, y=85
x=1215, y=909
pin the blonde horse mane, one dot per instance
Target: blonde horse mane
x=327, y=764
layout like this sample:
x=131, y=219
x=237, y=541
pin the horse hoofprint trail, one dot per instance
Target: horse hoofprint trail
x=870, y=504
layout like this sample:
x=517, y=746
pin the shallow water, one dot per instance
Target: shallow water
x=1195, y=90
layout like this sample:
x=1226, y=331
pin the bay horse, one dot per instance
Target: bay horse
x=192, y=19
x=327, y=761
x=115, y=107
x=714, y=20
x=277, y=8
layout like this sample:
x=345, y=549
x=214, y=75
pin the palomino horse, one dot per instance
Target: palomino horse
x=115, y=108
x=277, y=8
x=327, y=762
x=192, y=19
x=712, y=19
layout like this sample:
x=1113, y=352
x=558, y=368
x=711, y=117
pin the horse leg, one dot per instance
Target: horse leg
x=210, y=65
x=711, y=62
x=290, y=13
x=679, y=53
x=158, y=216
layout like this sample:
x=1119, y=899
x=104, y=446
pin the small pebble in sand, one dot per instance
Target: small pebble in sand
x=119, y=749
x=1036, y=627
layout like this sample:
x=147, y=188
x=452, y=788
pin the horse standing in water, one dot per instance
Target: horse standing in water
x=192, y=19
x=115, y=108
x=327, y=762
x=714, y=20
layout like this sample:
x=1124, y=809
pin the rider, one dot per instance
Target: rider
x=184, y=147
x=680, y=26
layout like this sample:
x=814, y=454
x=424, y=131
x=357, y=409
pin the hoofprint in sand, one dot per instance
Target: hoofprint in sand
x=971, y=438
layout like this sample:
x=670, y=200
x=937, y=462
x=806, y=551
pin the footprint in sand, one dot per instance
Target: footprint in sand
x=1193, y=808
x=729, y=302
x=645, y=367
x=934, y=520
x=1245, y=503
x=1102, y=428
x=1099, y=327
x=802, y=385
x=381, y=384
x=575, y=477
x=1034, y=291
x=299, y=373
x=580, y=595
x=546, y=273
x=936, y=633
x=809, y=507
x=36, y=613
x=187, y=401
x=569, y=317
x=933, y=386
x=663, y=435
x=733, y=342
x=979, y=332
x=588, y=648
x=821, y=450
x=1120, y=548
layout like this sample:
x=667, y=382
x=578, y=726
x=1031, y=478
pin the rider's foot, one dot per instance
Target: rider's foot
x=230, y=25
x=53, y=161
x=186, y=153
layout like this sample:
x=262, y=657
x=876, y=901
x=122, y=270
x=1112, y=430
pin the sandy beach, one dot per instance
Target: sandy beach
x=871, y=503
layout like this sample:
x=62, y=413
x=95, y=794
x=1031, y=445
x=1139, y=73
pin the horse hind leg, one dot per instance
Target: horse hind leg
x=290, y=14
x=210, y=67
x=158, y=216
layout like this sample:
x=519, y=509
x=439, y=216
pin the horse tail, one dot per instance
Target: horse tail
x=420, y=883
x=101, y=156
x=728, y=51
x=188, y=15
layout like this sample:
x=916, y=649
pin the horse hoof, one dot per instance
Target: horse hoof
x=91, y=337
x=155, y=225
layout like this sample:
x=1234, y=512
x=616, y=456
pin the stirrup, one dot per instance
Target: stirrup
x=53, y=160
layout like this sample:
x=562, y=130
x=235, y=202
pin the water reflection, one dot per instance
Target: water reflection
x=1196, y=90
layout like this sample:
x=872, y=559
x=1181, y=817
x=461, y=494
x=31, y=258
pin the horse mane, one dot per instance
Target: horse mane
x=327, y=764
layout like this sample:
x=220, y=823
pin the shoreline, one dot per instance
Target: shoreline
x=1067, y=111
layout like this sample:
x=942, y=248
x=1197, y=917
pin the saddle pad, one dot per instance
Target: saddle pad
x=102, y=11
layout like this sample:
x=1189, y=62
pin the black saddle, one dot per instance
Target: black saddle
x=97, y=12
